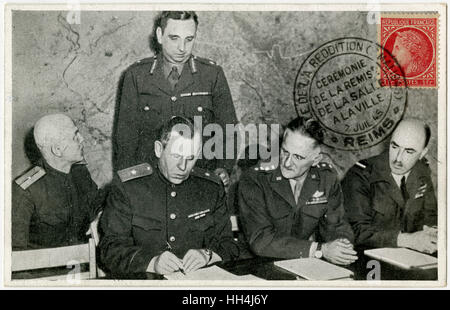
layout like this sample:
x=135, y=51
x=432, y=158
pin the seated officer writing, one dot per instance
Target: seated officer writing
x=167, y=219
x=389, y=199
x=283, y=210
x=54, y=203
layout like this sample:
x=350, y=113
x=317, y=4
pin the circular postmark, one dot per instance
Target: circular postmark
x=338, y=85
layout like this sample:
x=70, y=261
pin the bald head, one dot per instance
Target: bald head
x=49, y=129
x=408, y=145
x=57, y=137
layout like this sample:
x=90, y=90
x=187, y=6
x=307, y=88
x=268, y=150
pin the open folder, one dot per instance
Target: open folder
x=403, y=258
x=315, y=269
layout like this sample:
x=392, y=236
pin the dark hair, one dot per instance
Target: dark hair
x=427, y=134
x=161, y=21
x=182, y=125
x=308, y=127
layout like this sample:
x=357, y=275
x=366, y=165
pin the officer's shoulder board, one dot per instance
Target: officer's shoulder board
x=264, y=166
x=362, y=164
x=135, y=172
x=205, y=61
x=30, y=177
x=325, y=166
x=206, y=174
x=144, y=61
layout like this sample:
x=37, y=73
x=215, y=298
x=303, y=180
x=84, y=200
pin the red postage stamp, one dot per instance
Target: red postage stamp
x=409, y=53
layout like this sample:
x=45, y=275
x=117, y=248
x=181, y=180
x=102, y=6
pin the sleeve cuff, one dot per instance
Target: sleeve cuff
x=151, y=266
x=313, y=248
x=140, y=261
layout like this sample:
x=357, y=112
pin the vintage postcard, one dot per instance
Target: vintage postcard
x=181, y=145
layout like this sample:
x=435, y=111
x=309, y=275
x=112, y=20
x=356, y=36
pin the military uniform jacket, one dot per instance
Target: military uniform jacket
x=147, y=215
x=53, y=209
x=147, y=101
x=276, y=226
x=375, y=207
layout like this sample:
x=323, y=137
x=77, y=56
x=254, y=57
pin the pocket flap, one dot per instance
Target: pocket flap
x=146, y=223
x=202, y=224
x=316, y=211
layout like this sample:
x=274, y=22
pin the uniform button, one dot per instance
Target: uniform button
x=199, y=109
x=173, y=194
x=146, y=108
x=133, y=172
x=172, y=239
x=173, y=98
x=173, y=216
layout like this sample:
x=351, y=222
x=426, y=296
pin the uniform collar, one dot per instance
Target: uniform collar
x=52, y=171
x=382, y=170
x=167, y=182
x=159, y=78
x=167, y=68
x=282, y=186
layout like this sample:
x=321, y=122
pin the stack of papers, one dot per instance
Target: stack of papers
x=209, y=273
x=315, y=269
x=403, y=258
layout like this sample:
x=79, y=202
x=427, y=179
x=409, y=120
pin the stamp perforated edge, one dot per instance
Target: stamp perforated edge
x=437, y=47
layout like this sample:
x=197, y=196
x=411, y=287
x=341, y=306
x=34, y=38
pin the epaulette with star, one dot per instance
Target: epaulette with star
x=265, y=166
x=30, y=177
x=205, y=61
x=135, y=172
x=324, y=165
x=206, y=174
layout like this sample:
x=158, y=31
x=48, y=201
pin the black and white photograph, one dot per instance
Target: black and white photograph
x=225, y=145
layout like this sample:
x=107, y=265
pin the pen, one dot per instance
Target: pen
x=169, y=248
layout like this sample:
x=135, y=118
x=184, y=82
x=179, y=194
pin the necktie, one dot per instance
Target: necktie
x=297, y=190
x=174, y=77
x=405, y=194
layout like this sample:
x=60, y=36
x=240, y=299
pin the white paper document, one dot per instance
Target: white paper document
x=314, y=269
x=209, y=273
x=403, y=258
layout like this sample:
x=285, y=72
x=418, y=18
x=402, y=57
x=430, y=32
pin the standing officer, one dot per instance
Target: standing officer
x=167, y=219
x=295, y=210
x=54, y=203
x=173, y=82
x=389, y=198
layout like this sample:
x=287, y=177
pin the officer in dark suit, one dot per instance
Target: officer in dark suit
x=54, y=203
x=389, y=199
x=170, y=218
x=173, y=82
x=295, y=210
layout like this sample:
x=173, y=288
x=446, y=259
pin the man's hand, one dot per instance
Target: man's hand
x=432, y=231
x=423, y=241
x=339, y=252
x=168, y=262
x=93, y=229
x=223, y=174
x=195, y=259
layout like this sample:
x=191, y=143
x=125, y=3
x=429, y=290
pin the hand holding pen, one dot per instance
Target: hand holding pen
x=167, y=263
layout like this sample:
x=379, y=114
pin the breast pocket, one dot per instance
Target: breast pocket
x=202, y=224
x=200, y=104
x=146, y=224
x=151, y=109
x=314, y=212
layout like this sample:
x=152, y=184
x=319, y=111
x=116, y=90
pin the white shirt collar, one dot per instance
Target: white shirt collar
x=398, y=178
